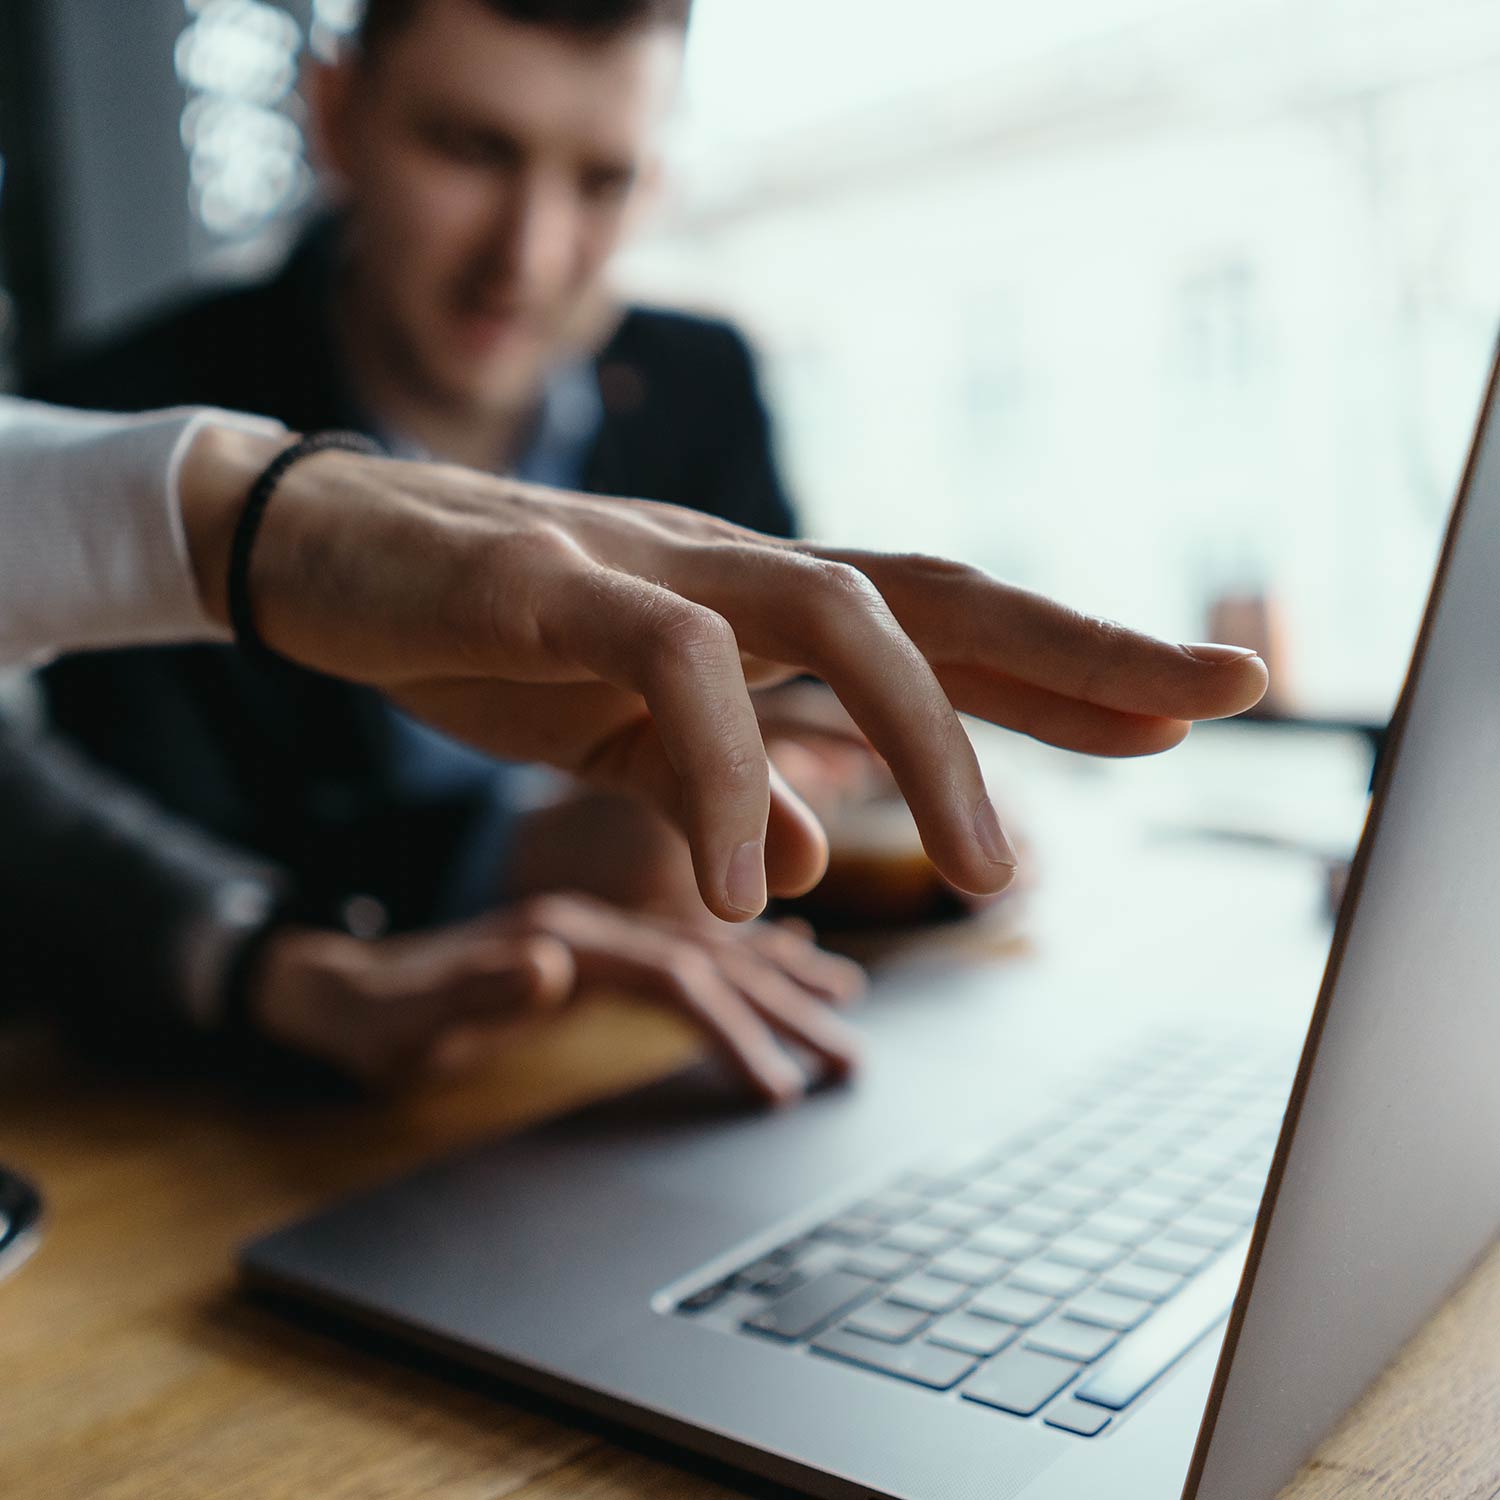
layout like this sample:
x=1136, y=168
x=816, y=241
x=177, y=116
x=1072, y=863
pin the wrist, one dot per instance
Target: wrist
x=220, y=466
x=299, y=972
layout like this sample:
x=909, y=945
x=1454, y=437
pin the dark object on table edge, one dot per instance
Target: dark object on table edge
x=20, y=1215
x=1374, y=734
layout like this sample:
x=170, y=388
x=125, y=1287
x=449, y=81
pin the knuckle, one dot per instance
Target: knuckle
x=542, y=913
x=844, y=583
x=741, y=769
x=941, y=570
x=682, y=628
x=689, y=972
x=842, y=599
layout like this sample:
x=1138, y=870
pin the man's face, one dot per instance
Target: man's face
x=492, y=169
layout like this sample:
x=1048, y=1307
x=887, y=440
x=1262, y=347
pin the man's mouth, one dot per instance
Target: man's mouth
x=495, y=322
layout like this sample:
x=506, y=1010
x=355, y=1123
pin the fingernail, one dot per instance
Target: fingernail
x=785, y=1086
x=997, y=848
x=745, y=890
x=1219, y=656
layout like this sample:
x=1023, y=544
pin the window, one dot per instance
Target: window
x=1135, y=302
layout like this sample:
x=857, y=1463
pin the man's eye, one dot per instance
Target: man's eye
x=472, y=150
x=607, y=185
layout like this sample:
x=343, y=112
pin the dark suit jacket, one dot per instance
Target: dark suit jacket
x=320, y=777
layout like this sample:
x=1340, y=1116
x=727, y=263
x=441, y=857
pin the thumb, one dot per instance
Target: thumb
x=796, y=845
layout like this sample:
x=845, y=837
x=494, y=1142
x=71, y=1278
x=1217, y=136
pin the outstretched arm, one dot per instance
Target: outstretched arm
x=621, y=641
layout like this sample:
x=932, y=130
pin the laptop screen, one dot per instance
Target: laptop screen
x=1385, y=1193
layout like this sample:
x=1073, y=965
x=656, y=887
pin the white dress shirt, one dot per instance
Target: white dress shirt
x=92, y=547
x=93, y=554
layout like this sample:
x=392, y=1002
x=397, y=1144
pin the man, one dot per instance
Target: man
x=492, y=153
x=488, y=157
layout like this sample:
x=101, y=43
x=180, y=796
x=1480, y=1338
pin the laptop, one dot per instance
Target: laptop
x=1044, y=1248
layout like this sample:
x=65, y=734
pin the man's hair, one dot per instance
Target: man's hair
x=589, y=18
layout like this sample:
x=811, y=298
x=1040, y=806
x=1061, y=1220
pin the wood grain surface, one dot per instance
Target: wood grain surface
x=132, y=1370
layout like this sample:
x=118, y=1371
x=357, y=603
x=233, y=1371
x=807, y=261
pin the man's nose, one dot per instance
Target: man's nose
x=533, y=234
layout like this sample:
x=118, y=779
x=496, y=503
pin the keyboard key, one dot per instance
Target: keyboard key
x=1124, y=1229
x=794, y=1252
x=1043, y=1221
x=889, y=1208
x=1133, y=1160
x=1165, y=1254
x=1012, y=1305
x=882, y=1264
x=770, y=1275
x=1171, y=1183
x=1144, y=1204
x=1245, y=1188
x=1102, y=1179
x=1254, y=1168
x=1215, y=1234
x=1110, y=1310
x=1153, y=1349
x=1049, y=1278
x=920, y=1239
x=887, y=1320
x=972, y=1335
x=925, y=1364
x=1231, y=1210
x=1069, y=1340
x=957, y=1216
x=966, y=1266
x=1006, y=1241
x=1084, y=1250
x=1142, y=1281
x=1069, y=1200
x=1004, y=1182
x=992, y=1198
x=930, y=1293
x=709, y=1297
x=965, y=1161
x=1207, y=1166
x=928, y=1185
x=1018, y=1174
x=1020, y=1381
x=849, y=1231
x=779, y=1282
x=1078, y=1417
x=803, y=1312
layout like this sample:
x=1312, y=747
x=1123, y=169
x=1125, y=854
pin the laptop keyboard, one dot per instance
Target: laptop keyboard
x=1054, y=1275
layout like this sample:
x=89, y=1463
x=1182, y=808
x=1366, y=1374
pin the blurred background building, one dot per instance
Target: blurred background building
x=1138, y=302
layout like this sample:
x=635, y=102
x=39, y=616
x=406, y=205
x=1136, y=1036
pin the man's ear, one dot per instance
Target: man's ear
x=329, y=88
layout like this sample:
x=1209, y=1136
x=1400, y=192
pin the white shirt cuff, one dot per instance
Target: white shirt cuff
x=92, y=548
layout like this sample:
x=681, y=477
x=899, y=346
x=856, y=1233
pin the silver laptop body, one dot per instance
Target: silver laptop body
x=1073, y=1179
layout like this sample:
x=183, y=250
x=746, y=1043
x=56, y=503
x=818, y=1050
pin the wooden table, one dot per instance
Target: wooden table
x=133, y=1371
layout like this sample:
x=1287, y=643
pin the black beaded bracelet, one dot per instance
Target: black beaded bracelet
x=241, y=611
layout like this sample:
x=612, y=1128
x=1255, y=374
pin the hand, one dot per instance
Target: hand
x=619, y=641
x=441, y=1002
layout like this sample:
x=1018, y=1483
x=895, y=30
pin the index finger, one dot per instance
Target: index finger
x=961, y=617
